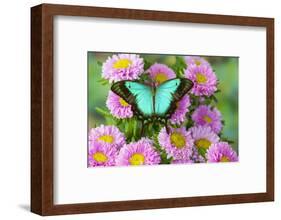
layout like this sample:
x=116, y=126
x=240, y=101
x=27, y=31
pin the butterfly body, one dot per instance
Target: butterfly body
x=151, y=102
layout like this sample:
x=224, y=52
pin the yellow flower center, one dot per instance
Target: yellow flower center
x=178, y=140
x=160, y=78
x=200, y=78
x=207, y=119
x=123, y=102
x=122, y=64
x=106, y=138
x=137, y=159
x=197, y=62
x=224, y=159
x=203, y=143
x=100, y=157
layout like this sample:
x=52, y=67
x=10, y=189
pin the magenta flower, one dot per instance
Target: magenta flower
x=159, y=73
x=206, y=115
x=196, y=60
x=141, y=152
x=107, y=135
x=204, y=79
x=118, y=107
x=203, y=137
x=101, y=155
x=182, y=108
x=177, y=143
x=221, y=152
x=122, y=67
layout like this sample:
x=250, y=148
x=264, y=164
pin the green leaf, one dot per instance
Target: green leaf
x=213, y=97
x=165, y=159
x=179, y=67
x=202, y=151
x=207, y=101
x=189, y=123
x=103, y=112
x=103, y=81
x=135, y=129
x=147, y=64
x=145, y=77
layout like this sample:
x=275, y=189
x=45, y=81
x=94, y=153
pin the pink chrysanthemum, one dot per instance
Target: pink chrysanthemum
x=106, y=135
x=206, y=115
x=177, y=143
x=122, y=67
x=101, y=155
x=159, y=73
x=118, y=107
x=195, y=60
x=203, y=137
x=141, y=152
x=221, y=152
x=182, y=108
x=204, y=79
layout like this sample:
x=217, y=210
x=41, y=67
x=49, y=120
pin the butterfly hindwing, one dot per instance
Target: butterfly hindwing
x=168, y=94
x=136, y=94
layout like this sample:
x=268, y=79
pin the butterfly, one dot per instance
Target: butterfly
x=150, y=102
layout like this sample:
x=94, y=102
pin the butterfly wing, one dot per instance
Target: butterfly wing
x=138, y=95
x=168, y=94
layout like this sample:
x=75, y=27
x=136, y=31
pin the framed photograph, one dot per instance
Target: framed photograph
x=138, y=109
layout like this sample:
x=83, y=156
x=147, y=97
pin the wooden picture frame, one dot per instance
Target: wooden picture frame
x=42, y=105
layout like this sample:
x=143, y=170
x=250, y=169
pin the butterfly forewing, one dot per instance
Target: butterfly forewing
x=136, y=94
x=143, y=96
x=168, y=94
x=164, y=96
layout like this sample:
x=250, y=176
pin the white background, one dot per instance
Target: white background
x=74, y=183
x=15, y=111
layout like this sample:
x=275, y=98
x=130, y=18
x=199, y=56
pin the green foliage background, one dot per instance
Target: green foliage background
x=226, y=69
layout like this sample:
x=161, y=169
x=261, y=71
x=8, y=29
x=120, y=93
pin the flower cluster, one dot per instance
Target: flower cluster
x=192, y=134
x=107, y=147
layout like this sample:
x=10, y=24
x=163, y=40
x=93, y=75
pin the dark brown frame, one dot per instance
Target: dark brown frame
x=42, y=108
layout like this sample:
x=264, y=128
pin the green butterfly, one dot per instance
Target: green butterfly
x=151, y=103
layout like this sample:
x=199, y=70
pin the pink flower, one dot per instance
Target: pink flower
x=118, y=107
x=182, y=108
x=206, y=115
x=196, y=60
x=204, y=79
x=107, y=135
x=221, y=152
x=141, y=152
x=160, y=73
x=122, y=67
x=203, y=137
x=177, y=143
x=101, y=155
